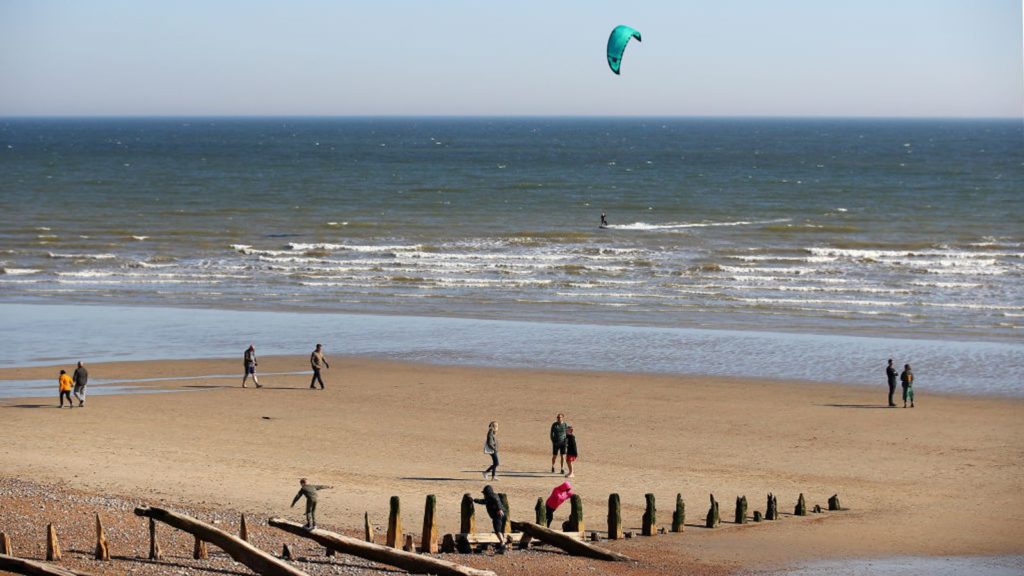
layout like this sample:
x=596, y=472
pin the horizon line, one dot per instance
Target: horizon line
x=498, y=116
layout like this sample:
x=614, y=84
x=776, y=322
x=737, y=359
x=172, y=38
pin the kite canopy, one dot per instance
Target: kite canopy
x=617, y=45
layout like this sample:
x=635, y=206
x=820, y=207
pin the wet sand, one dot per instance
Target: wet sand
x=942, y=479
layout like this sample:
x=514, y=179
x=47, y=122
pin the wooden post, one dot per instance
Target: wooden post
x=199, y=551
x=650, y=519
x=575, y=521
x=566, y=542
x=540, y=512
x=243, y=529
x=741, y=510
x=415, y=563
x=369, y=534
x=712, y=519
x=801, y=506
x=817, y=509
x=102, y=552
x=286, y=552
x=772, y=510
x=757, y=516
x=468, y=524
x=429, y=540
x=5, y=544
x=410, y=544
x=679, y=516
x=241, y=551
x=507, y=527
x=154, y=545
x=833, y=503
x=614, y=517
x=394, y=539
x=52, y=545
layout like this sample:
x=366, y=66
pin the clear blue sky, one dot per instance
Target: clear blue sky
x=478, y=57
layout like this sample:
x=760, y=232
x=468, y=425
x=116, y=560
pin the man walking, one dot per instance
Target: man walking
x=81, y=380
x=309, y=491
x=249, y=363
x=890, y=375
x=558, y=432
x=318, y=363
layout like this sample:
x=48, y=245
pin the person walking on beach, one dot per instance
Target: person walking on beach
x=907, y=379
x=558, y=496
x=497, y=513
x=491, y=447
x=558, y=429
x=318, y=363
x=249, y=363
x=890, y=376
x=570, y=451
x=309, y=491
x=81, y=380
x=64, y=384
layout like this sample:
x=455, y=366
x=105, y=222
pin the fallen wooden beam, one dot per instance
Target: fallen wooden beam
x=571, y=545
x=257, y=560
x=415, y=563
x=33, y=568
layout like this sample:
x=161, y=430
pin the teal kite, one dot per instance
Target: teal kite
x=617, y=45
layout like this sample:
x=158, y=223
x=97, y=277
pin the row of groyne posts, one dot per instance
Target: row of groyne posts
x=400, y=550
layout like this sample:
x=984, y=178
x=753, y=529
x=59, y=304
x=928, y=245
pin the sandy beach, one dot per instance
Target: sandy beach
x=942, y=479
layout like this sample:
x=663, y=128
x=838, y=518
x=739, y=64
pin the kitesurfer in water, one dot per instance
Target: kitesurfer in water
x=604, y=220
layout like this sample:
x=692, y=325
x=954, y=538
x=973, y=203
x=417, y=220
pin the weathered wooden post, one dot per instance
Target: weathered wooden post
x=102, y=552
x=614, y=517
x=52, y=545
x=154, y=545
x=368, y=532
x=507, y=527
x=679, y=516
x=286, y=552
x=243, y=529
x=712, y=519
x=199, y=551
x=575, y=521
x=428, y=541
x=395, y=524
x=757, y=516
x=833, y=503
x=410, y=544
x=650, y=519
x=5, y=544
x=801, y=506
x=772, y=509
x=540, y=513
x=468, y=513
x=741, y=510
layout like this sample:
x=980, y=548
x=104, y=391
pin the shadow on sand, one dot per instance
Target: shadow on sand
x=869, y=406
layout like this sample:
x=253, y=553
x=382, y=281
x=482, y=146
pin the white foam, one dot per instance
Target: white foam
x=19, y=271
x=683, y=225
x=83, y=256
x=140, y=238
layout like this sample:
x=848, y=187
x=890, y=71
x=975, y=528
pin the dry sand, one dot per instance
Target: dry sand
x=944, y=478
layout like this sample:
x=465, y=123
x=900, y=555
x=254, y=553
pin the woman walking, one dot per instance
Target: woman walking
x=64, y=383
x=491, y=447
x=571, y=452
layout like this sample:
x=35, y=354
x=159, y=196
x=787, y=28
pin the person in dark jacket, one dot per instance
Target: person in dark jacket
x=491, y=447
x=81, y=380
x=309, y=491
x=890, y=376
x=558, y=428
x=907, y=379
x=571, y=453
x=317, y=362
x=249, y=364
x=497, y=513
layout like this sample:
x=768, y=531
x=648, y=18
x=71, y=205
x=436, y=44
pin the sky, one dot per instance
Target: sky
x=930, y=58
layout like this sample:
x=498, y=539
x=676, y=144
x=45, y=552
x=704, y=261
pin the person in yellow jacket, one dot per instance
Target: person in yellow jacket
x=65, y=383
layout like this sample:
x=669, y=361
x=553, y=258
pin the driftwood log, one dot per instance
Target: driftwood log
x=102, y=550
x=679, y=516
x=257, y=560
x=394, y=538
x=614, y=517
x=574, y=546
x=650, y=519
x=14, y=565
x=415, y=563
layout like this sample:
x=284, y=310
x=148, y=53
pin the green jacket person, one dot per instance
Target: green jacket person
x=309, y=491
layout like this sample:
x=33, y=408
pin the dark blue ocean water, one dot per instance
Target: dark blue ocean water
x=878, y=228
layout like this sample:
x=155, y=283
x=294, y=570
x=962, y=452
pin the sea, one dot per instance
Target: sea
x=783, y=248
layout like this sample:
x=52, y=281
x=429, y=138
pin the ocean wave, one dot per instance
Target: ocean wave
x=19, y=271
x=87, y=274
x=684, y=225
x=82, y=256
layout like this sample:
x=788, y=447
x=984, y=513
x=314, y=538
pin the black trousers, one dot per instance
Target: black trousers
x=892, y=390
x=316, y=378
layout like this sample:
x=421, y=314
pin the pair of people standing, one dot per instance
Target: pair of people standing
x=317, y=362
x=906, y=380
x=563, y=445
x=75, y=383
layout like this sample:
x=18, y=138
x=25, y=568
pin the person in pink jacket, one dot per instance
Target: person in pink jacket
x=560, y=494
